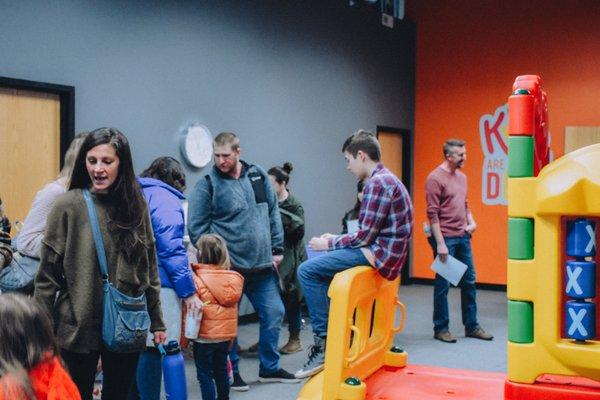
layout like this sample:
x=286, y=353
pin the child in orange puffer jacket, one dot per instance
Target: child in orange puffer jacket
x=30, y=367
x=220, y=290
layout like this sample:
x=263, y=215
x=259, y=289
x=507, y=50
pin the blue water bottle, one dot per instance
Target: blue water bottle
x=173, y=371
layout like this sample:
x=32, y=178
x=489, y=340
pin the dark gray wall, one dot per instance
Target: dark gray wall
x=292, y=78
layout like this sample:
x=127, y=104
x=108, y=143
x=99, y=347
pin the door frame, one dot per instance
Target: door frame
x=406, y=135
x=66, y=96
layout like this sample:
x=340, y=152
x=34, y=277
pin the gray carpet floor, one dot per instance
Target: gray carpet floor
x=416, y=339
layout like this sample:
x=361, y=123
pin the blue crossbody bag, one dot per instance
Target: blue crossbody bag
x=125, y=319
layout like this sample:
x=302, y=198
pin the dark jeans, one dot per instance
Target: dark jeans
x=118, y=371
x=293, y=313
x=211, y=363
x=459, y=248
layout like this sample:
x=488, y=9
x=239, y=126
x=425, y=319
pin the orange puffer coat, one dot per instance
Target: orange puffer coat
x=220, y=290
x=49, y=381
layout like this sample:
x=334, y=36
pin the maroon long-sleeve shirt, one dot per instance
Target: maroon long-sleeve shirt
x=446, y=195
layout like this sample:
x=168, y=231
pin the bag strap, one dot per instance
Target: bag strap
x=97, y=235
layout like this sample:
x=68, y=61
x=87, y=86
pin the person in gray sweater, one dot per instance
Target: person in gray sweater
x=29, y=240
x=19, y=274
x=69, y=282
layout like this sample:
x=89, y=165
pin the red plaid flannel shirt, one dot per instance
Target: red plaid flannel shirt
x=385, y=223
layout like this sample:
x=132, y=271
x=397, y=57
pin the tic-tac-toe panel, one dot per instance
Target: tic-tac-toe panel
x=553, y=223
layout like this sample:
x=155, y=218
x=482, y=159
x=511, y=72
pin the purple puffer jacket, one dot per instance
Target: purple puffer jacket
x=164, y=203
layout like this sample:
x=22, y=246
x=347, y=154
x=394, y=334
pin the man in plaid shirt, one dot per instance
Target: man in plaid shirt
x=385, y=225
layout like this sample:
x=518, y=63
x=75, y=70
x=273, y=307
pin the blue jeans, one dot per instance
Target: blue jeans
x=459, y=248
x=148, y=376
x=262, y=289
x=316, y=274
x=211, y=363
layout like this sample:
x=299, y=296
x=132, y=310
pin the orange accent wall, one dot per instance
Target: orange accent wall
x=468, y=55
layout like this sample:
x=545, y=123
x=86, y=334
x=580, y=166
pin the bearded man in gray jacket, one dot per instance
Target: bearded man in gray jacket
x=236, y=200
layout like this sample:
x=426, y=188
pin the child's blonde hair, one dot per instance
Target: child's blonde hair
x=212, y=249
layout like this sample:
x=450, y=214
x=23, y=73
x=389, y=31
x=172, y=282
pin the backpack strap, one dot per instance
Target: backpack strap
x=257, y=180
x=210, y=185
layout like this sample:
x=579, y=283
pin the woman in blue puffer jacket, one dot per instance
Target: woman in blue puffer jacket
x=162, y=184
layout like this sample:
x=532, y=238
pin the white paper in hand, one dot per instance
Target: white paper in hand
x=352, y=225
x=452, y=270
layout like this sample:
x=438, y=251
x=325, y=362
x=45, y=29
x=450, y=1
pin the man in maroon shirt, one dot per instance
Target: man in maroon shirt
x=452, y=225
x=384, y=227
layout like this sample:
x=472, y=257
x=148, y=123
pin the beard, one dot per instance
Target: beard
x=229, y=169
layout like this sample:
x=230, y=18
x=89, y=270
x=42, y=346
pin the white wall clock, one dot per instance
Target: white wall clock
x=196, y=145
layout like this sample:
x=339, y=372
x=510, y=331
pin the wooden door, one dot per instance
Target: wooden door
x=577, y=137
x=396, y=156
x=29, y=147
x=392, y=151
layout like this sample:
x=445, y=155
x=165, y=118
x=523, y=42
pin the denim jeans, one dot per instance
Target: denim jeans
x=211, y=363
x=148, y=376
x=262, y=289
x=459, y=248
x=316, y=274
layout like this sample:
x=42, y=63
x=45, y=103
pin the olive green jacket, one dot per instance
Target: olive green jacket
x=69, y=281
x=294, y=253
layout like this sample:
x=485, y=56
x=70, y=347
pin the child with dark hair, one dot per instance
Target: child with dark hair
x=220, y=290
x=30, y=367
x=351, y=216
x=167, y=170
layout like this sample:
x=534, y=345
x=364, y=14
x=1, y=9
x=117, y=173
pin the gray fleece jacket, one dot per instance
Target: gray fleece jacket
x=243, y=211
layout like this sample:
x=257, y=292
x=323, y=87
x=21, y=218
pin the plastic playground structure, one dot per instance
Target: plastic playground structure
x=553, y=348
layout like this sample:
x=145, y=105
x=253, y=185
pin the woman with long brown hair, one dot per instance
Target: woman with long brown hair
x=69, y=281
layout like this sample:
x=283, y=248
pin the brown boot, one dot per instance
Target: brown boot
x=293, y=345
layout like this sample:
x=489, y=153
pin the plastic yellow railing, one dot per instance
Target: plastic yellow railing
x=360, y=333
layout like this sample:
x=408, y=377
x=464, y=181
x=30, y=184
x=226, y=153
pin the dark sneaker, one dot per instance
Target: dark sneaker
x=280, y=375
x=445, y=337
x=238, y=384
x=479, y=333
x=316, y=360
